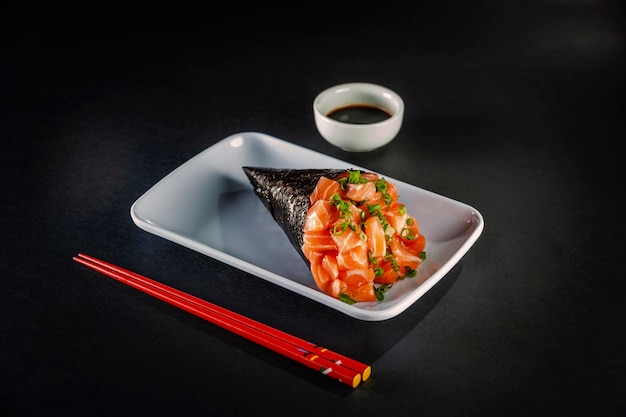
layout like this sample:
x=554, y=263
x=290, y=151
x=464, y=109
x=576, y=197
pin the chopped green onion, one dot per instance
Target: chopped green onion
x=339, y=228
x=381, y=290
x=346, y=298
x=410, y=272
x=373, y=209
x=381, y=185
x=407, y=234
x=354, y=177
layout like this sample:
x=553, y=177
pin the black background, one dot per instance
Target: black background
x=514, y=108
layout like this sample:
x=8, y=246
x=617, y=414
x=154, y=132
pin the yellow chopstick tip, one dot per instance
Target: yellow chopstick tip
x=366, y=373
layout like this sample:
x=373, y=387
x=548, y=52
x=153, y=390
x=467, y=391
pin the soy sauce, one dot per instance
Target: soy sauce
x=359, y=114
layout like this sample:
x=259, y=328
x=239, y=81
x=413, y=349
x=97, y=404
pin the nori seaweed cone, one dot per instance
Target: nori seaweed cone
x=285, y=193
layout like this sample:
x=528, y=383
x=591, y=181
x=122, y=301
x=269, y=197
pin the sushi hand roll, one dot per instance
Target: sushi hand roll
x=347, y=225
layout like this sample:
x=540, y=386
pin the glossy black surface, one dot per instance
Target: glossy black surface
x=515, y=110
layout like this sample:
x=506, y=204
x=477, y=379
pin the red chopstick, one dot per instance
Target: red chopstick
x=330, y=363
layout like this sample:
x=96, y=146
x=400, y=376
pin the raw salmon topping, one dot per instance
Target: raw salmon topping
x=358, y=238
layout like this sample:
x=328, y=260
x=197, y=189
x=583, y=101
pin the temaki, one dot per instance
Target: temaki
x=347, y=225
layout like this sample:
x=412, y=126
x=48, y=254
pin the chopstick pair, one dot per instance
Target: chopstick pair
x=344, y=369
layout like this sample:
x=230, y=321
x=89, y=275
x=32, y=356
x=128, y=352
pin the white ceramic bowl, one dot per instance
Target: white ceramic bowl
x=362, y=135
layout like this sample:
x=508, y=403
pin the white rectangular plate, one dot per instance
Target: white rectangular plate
x=208, y=205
